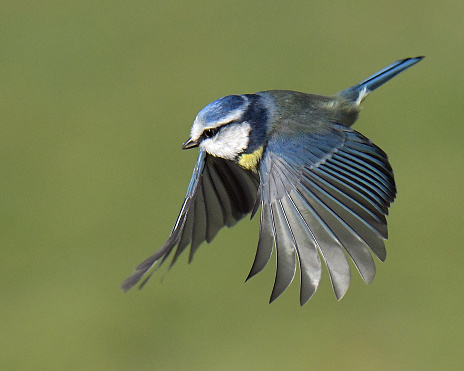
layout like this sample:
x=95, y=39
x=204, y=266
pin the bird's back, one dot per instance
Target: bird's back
x=301, y=112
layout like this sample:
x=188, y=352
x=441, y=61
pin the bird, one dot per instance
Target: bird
x=322, y=188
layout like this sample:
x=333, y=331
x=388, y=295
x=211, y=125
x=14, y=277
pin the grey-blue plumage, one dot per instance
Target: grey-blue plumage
x=323, y=189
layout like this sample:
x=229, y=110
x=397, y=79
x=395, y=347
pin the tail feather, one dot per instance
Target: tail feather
x=358, y=92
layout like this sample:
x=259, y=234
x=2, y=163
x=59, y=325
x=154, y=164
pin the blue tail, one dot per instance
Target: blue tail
x=358, y=92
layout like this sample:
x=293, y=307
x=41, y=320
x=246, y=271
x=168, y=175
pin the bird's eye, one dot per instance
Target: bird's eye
x=209, y=133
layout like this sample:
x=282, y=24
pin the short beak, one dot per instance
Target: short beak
x=190, y=143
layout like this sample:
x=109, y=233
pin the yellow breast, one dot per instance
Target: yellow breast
x=250, y=161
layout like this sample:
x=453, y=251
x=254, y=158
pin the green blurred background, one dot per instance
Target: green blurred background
x=96, y=100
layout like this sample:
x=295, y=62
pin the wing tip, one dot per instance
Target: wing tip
x=131, y=281
x=340, y=288
x=304, y=298
x=252, y=273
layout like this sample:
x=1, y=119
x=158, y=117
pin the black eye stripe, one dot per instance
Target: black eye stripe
x=209, y=133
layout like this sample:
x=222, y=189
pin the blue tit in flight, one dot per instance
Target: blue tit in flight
x=323, y=189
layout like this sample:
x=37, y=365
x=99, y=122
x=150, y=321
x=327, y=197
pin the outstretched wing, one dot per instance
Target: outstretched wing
x=323, y=194
x=220, y=193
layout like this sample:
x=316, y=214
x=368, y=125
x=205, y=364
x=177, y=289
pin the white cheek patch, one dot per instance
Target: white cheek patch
x=229, y=141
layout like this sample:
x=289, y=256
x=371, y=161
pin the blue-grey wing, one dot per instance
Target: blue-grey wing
x=323, y=194
x=220, y=193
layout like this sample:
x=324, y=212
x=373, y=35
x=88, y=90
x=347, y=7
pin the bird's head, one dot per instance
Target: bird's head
x=230, y=126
